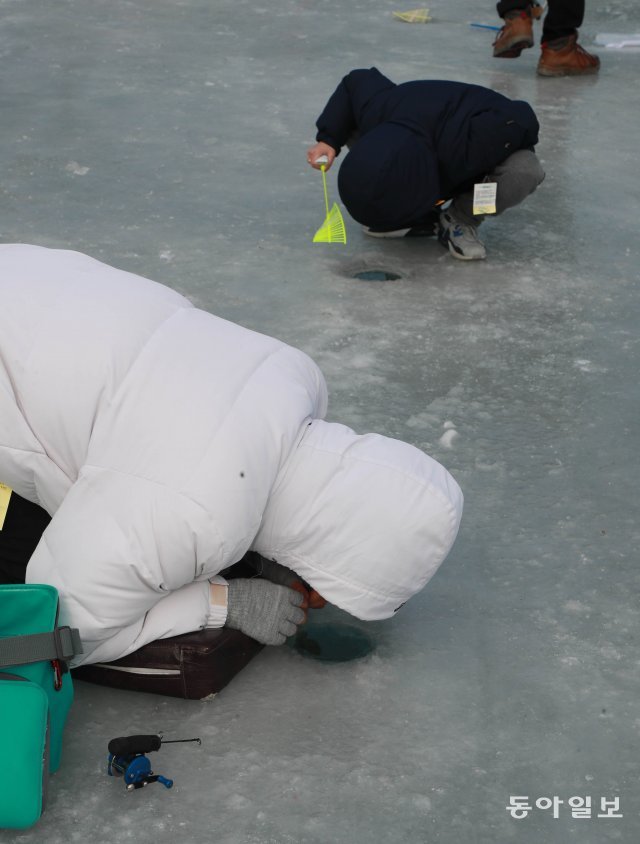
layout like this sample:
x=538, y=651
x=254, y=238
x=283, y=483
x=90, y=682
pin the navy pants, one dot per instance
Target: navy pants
x=564, y=17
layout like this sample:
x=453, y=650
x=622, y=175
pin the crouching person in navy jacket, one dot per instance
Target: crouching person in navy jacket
x=414, y=146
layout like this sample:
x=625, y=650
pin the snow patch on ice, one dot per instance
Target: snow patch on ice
x=577, y=607
x=238, y=801
x=422, y=420
x=76, y=169
x=587, y=366
x=448, y=438
x=422, y=802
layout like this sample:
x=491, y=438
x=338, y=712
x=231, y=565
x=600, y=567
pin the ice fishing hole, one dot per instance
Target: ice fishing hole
x=377, y=275
x=332, y=642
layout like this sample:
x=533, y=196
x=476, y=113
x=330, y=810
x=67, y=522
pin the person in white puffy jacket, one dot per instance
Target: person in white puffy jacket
x=165, y=443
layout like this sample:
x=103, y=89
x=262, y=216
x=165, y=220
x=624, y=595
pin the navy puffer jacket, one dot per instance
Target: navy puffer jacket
x=418, y=142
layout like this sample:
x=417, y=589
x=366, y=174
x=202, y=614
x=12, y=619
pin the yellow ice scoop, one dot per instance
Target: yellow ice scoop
x=332, y=230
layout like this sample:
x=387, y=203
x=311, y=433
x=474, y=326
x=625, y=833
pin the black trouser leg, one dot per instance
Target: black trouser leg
x=23, y=526
x=564, y=17
x=505, y=6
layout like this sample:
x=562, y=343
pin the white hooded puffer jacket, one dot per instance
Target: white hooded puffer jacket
x=166, y=442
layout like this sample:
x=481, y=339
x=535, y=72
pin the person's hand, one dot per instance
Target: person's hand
x=312, y=600
x=318, y=151
x=265, y=611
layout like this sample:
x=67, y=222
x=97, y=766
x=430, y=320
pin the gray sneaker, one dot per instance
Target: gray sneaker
x=460, y=238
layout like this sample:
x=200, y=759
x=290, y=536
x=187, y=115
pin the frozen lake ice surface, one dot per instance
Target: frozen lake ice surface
x=168, y=139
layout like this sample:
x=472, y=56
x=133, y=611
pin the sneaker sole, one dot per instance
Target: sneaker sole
x=547, y=71
x=390, y=235
x=448, y=245
x=513, y=50
x=461, y=257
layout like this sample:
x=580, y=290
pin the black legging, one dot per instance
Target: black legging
x=25, y=523
x=23, y=526
x=564, y=17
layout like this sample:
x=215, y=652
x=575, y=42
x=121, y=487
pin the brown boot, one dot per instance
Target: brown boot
x=565, y=57
x=515, y=36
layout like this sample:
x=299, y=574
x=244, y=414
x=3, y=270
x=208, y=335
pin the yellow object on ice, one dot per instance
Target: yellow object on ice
x=413, y=16
x=332, y=230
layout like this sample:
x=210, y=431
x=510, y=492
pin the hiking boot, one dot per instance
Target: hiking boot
x=565, y=57
x=460, y=238
x=515, y=36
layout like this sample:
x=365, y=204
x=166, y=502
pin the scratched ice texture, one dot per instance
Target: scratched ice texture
x=168, y=137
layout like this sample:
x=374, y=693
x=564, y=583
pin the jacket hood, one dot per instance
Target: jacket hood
x=389, y=179
x=365, y=520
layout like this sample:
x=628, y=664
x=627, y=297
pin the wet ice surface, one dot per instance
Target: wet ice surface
x=332, y=642
x=168, y=138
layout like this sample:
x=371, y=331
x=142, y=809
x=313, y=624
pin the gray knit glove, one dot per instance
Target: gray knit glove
x=265, y=611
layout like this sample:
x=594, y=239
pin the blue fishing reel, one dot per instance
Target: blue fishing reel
x=127, y=759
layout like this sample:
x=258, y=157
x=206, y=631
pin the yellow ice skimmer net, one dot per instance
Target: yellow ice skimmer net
x=332, y=230
x=413, y=16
